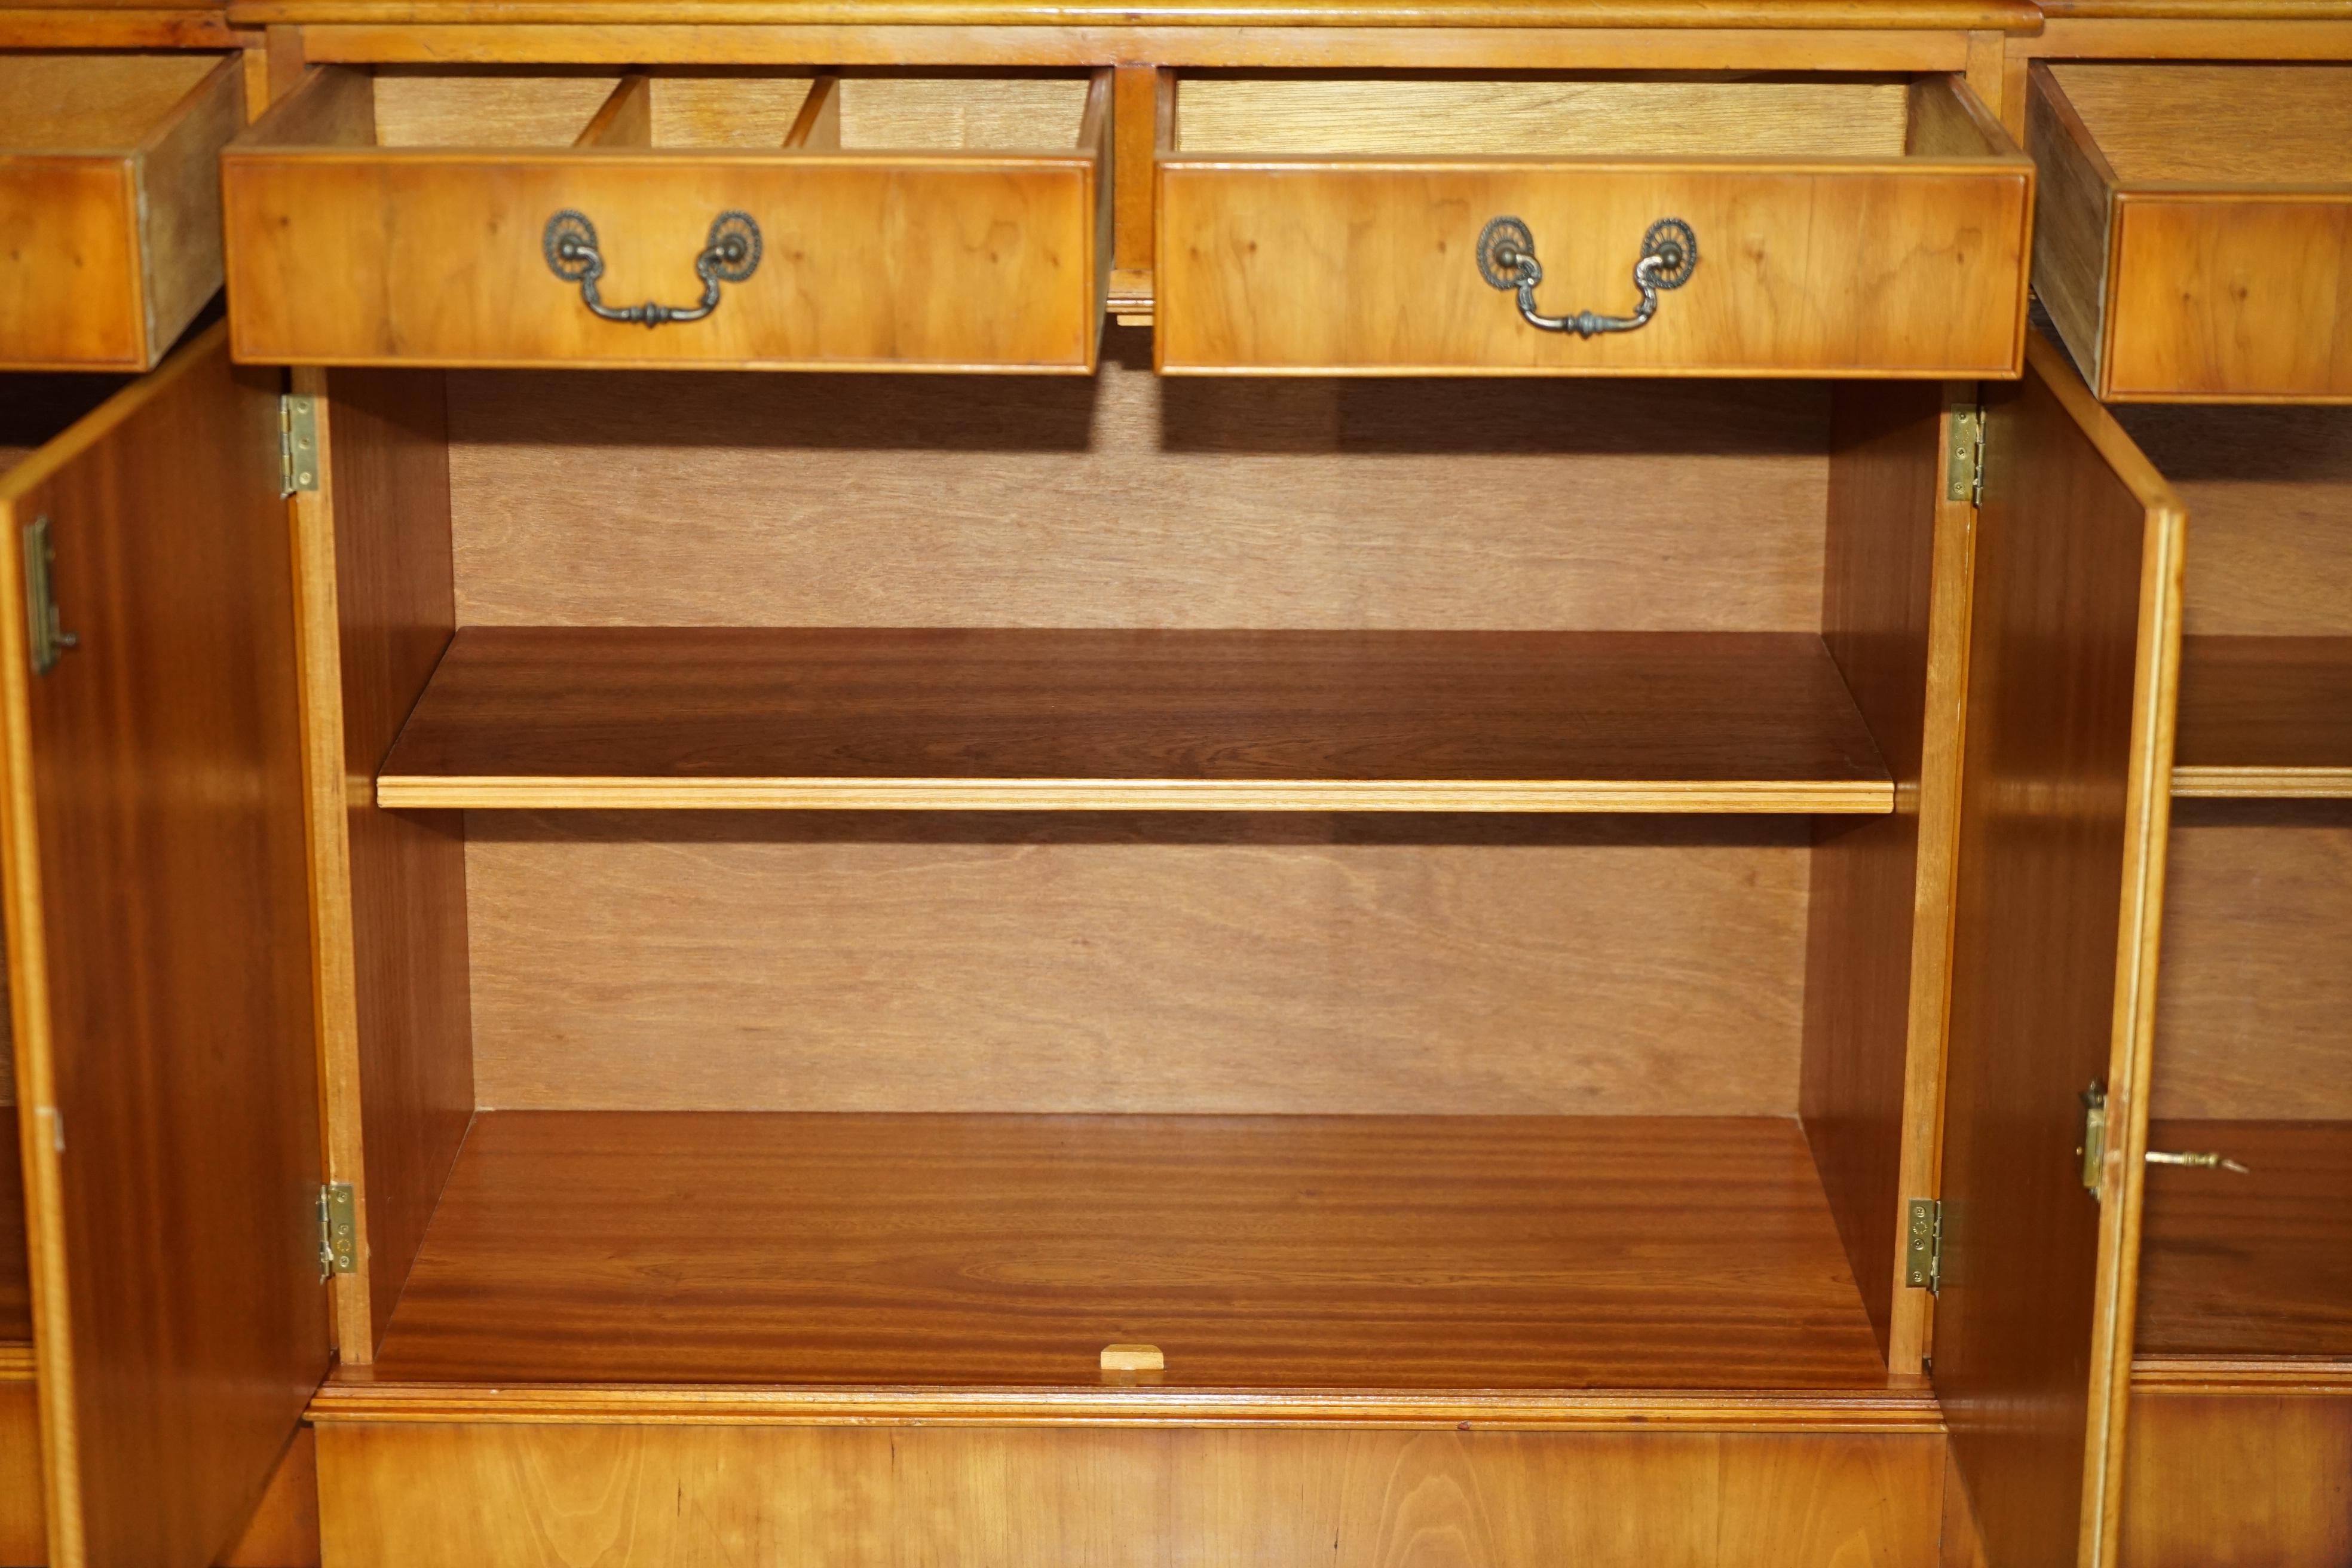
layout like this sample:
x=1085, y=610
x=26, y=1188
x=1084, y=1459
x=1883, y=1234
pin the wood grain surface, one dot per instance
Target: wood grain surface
x=1876, y=934
x=1340, y=264
x=1270, y=1253
x=1084, y=40
x=2238, y=1481
x=1225, y=963
x=2201, y=227
x=2254, y=1017
x=2073, y=219
x=1124, y=499
x=343, y=252
x=2265, y=717
x=2232, y=296
x=110, y=215
x=2269, y=492
x=2235, y=123
x=24, y=1529
x=635, y=1497
x=390, y=886
x=1250, y=115
x=943, y=717
x=1826, y=16
x=2257, y=1264
x=283, y=1530
x=93, y=102
x=2068, y=747
x=159, y=937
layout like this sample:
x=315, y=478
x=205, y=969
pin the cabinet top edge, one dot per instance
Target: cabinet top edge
x=1832, y=16
x=2202, y=10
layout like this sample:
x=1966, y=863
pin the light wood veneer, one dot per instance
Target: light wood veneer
x=960, y=238
x=1235, y=720
x=1296, y=239
x=109, y=204
x=445, y=1496
x=2249, y=1477
x=2194, y=241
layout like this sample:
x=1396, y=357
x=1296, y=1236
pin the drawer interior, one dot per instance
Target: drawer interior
x=92, y=104
x=1593, y=115
x=704, y=108
x=2227, y=125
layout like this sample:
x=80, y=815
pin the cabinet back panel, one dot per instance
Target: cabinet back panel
x=880, y=962
x=1123, y=500
x=2269, y=492
x=2254, y=1016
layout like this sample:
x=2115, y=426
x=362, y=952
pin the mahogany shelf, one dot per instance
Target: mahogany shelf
x=2257, y=1265
x=1015, y=718
x=1268, y=1257
x=2264, y=718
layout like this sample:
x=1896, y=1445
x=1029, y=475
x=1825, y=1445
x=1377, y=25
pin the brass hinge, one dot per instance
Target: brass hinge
x=2094, y=1150
x=1922, y=1252
x=339, y=1231
x=1964, y=462
x=297, y=444
x=45, y=638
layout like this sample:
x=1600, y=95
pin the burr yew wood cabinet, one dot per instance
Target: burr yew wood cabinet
x=991, y=784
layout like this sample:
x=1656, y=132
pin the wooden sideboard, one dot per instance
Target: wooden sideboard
x=996, y=783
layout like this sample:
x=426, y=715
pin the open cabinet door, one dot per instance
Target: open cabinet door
x=159, y=961
x=2073, y=650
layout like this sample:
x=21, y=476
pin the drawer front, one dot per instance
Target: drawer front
x=1918, y=271
x=110, y=203
x=397, y=257
x=2231, y=297
x=69, y=291
x=532, y=1495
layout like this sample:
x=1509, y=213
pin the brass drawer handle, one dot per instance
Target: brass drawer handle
x=730, y=255
x=1507, y=258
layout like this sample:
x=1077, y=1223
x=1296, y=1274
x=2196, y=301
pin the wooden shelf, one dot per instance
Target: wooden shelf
x=2257, y=1265
x=1340, y=721
x=2264, y=718
x=1272, y=1259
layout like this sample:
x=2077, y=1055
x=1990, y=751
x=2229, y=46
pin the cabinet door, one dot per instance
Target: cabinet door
x=2066, y=792
x=159, y=961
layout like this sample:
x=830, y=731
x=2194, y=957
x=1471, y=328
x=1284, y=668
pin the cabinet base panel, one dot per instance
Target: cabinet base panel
x=492, y=1496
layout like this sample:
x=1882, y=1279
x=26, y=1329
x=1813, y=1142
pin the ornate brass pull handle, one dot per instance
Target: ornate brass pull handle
x=730, y=255
x=1507, y=258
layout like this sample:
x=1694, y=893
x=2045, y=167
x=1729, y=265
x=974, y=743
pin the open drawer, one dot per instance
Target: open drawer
x=109, y=208
x=748, y=219
x=2195, y=238
x=1832, y=227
